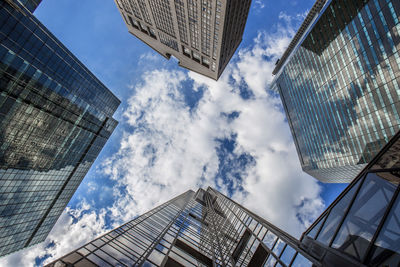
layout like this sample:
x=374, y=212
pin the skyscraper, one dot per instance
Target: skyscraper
x=340, y=85
x=194, y=229
x=55, y=117
x=205, y=228
x=202, y=34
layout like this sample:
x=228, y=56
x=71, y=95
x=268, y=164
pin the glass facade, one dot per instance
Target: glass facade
x=360, y=228
x=55, y=117
x=363, y=223
x=341, y=87
x=31, y=5
x=203, y=228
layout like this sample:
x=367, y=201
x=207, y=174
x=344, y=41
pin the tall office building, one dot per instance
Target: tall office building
x=202, y=34
x=55, y=117
x=339, y=81
x=203, y=228
x=360, y=228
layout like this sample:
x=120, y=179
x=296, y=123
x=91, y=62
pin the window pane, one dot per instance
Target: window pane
x=287, y=255
x=269, y=239
x=364, y=216
x=387, y=245
x=301, y=261
x=278, y=247
x=314, y=231
x=335, y=216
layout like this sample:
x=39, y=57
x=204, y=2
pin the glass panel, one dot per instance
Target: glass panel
x=156, y=257
x=117, y=254
x=335, y=216
x=288, y=254
x=278, y=247
x=107, y=258
x=364, y=216
x=270, y=262
x=387, y=245
x=314, y=231
x=84, y=263
x=73, y=257
x=269, y=239
x=301, y=261
x=97, y=260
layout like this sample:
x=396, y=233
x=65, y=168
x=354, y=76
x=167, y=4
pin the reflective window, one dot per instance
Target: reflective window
x=335, y=216
x=269, y=239
x=364, y=216
x=287, y=255
x=301, y=261
x=387, y=246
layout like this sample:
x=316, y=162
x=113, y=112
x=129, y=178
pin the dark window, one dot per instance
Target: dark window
x=362, y=221
x=241, y=245
x=172, y=263
x=193, y=252
x=259, y=257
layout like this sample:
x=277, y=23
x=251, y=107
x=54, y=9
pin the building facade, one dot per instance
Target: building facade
x=55, y=117
x=205, y=228
x=202, y=34
x=339, y=82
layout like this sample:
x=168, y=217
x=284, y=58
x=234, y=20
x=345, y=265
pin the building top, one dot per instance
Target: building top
x=202, y=35
x=317, y=7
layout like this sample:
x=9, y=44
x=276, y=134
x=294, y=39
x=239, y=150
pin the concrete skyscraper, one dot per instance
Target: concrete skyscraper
x=205, y=228
x=55, y=117
x=202, y=34
x=339, y=81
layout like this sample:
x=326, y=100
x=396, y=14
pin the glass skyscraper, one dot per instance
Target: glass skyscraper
x=55, y=117
x=339, y=83
x=205, y=228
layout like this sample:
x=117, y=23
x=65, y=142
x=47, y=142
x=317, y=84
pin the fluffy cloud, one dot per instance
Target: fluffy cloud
x=74, y=228
x=171, y=147
x=183, y=131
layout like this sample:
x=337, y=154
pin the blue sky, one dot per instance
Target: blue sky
x=179, y=131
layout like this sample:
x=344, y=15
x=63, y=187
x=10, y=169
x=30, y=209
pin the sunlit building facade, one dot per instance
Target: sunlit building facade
x=205, y=228
x=202, y=34
x=339, y=82
x=55, y=117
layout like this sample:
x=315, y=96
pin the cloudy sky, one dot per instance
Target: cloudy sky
x=179, y=130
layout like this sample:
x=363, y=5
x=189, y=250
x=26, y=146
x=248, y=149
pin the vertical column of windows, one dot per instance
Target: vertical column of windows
x=182, y=22
x=193, y=24
x=217, y=23
x=162, y=16
x=135, y=9
x=206, y=12
x=144, y=10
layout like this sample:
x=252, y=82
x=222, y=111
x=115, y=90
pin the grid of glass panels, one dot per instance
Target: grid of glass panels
x=364, y=222
x=55, y=117
x=205, y=228
x=132, y=243
x=31, y=5
x=282, y=249
x=340, y=88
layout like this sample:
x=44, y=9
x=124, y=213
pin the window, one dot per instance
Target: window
x=241, y=245
x=365, y=214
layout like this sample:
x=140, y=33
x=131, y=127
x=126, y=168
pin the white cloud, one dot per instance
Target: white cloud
x=173, y=148
x=259, y=4
x=74, y=228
